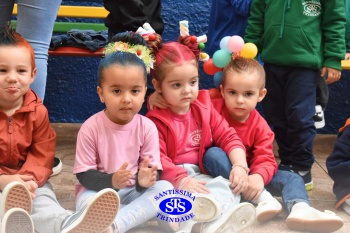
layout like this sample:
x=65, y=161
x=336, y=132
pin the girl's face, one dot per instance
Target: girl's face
x=242, y=91
x=16, y=75
x=179, y=87
x=123, y=91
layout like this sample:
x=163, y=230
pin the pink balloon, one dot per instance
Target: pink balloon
x=235, y=44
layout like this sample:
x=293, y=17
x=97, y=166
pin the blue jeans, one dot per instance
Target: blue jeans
x=35, y=21
x=290, y=186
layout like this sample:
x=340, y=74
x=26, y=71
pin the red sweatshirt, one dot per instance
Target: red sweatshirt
x=257, y=138
x=215, y=132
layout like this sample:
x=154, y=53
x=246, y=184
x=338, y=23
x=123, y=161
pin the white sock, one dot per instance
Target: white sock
x=264, y=196
x=300, y=205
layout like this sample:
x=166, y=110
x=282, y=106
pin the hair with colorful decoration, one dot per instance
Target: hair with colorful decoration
x=131, y=42
x=187, y=49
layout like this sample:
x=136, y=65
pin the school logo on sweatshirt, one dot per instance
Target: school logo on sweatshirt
x=195, y=137
x=312, y=8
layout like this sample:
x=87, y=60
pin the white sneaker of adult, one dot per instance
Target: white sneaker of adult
x=233, y=220
x=268, y=209
x=311, y=219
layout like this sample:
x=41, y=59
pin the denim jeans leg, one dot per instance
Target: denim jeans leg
x=217, y=163
x=35, y=22
x=290, y=186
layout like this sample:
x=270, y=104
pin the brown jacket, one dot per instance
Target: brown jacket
x=27, y=141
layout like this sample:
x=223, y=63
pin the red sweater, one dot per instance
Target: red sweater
x=257, y=138
x=215, y=132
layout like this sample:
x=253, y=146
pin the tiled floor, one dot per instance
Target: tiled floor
x=321, y=196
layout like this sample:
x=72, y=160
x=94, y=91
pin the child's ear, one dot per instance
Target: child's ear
x=157, y=85
x=100, y=93
x=33, y=76
x=222, y=91
x=262, y=94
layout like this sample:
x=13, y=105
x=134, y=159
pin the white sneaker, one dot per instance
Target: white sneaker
x=268, y=209
x=15, y=195
x=234, y=219
x=310, y=219
x=319, y=117
x=57, y=166
x=205, y=208
x=346, y=206
x=97, y=216
x=17, y=220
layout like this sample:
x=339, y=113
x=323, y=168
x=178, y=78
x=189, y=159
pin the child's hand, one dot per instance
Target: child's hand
x=347, y=56
x=147, y=176
x=27, y=180
x=157, y=100
x=333, y=75
x=121, y=177
x=31, y=186
x=255, y=187
x=238, y=179
x=194, y=186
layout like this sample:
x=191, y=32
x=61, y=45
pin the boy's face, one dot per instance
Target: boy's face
x=16, y=74
x=123, y=91
x=241, y=91
x=179, y=87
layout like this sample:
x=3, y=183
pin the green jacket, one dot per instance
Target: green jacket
x=304, y=33
x=347, y=27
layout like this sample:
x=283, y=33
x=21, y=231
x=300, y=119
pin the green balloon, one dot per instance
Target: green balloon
x=221, y=58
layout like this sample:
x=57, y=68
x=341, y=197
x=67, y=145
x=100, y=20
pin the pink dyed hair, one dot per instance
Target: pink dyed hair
x=169, y=55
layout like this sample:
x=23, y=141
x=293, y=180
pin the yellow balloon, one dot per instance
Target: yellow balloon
x=249, y=50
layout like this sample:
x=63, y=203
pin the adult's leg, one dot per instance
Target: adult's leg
x=35, y=23
x=6, y=7
x=124, y=15
x=152, y=9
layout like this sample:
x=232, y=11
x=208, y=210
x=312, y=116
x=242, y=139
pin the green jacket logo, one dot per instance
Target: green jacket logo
x=312, y=8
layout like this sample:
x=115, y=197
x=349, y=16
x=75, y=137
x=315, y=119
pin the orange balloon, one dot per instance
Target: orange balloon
x=214, y=93
x=210, y=68
x=249, y=50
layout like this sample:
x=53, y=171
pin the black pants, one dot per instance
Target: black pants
x=129, y=15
